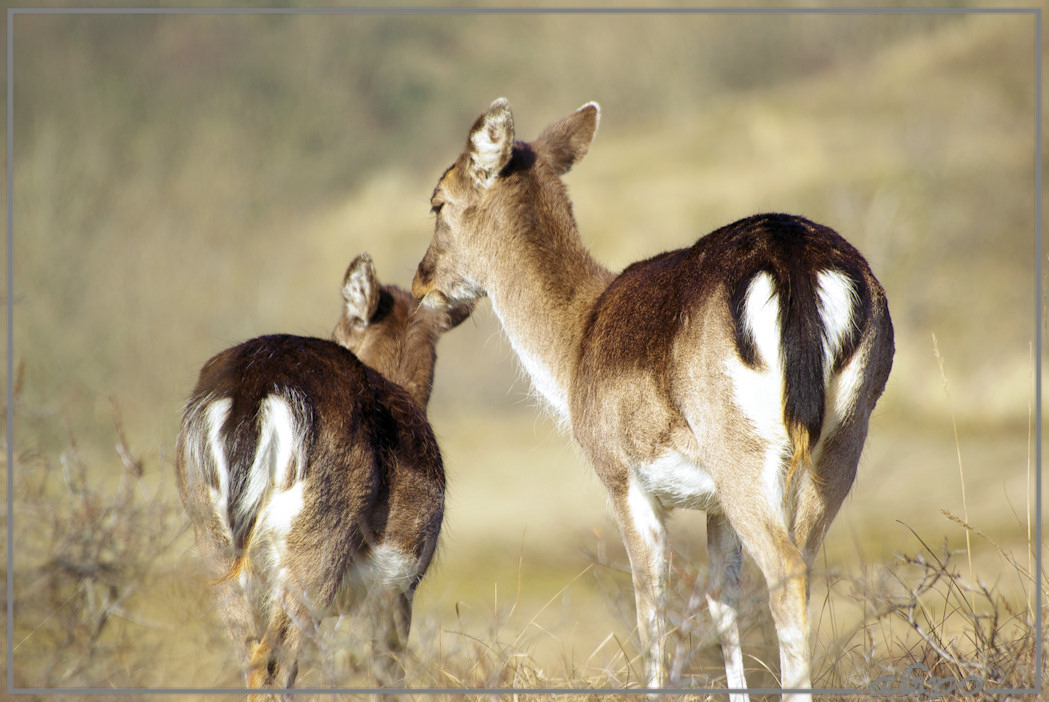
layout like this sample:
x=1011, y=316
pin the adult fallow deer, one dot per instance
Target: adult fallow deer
x=736, y=376
x=311, y=476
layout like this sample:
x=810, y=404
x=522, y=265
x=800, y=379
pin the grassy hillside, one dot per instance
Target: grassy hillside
x=182, y=183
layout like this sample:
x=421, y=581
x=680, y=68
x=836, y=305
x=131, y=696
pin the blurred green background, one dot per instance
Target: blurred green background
x=184, y=182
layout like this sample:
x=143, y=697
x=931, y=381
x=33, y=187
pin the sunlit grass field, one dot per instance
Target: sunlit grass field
x=182, y=183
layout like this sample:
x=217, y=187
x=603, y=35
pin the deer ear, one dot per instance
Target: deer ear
x=491, y=142
x=566, y=141
x=360, y=289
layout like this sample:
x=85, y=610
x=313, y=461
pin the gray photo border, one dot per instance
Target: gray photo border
x=1036, y=13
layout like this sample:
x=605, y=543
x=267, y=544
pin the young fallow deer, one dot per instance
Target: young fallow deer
x=311, y=474
x=736, y=376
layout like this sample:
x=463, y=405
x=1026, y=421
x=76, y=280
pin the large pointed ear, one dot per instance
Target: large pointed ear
x=566, y=141
x=360, y=289
x=491, y=142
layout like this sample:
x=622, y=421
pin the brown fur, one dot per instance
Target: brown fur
x=371, y=473
x=635, y=365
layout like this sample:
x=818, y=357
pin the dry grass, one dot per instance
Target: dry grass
x=926, y=626
x=922, y=625
x=93, y=556
x=85, y=553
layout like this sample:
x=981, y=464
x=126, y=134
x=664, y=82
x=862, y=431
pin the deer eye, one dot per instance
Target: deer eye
x=436, y=207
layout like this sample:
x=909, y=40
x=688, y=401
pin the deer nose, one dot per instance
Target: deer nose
x=421, y=289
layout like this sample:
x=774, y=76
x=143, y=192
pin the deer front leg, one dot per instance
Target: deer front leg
x=726, y=565
x=641, y=524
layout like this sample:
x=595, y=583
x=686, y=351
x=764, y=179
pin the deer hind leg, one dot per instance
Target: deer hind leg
x=761, y=528
x=787, y=578
x=232, y=603
x=303, y=592
x=641, y=524
x=821, y=493
x=391, y=623
x=228, y=593
x=274, y=663
x=726, y=565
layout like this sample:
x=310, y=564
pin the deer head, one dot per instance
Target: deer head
x=390, y=331
x=477, y=202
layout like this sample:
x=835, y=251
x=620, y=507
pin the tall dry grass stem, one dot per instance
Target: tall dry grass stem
x=958, y=451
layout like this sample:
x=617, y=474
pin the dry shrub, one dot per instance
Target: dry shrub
x=84, y=548
x=924, y=632
x=929, y=633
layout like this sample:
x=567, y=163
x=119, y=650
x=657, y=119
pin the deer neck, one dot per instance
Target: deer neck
x=414, y=373
x=406, y=359
x=543, y=295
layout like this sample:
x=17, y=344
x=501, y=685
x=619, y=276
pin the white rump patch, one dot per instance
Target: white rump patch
x=843, y=390
x=276, y=431
x=759, y=392
x=278, y=455
x=281, y=509
x=837, y=305
x=215, y=417
x=761, y=318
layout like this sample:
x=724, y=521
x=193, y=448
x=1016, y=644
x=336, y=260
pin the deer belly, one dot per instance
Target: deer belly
x=677, y=481
x=384, y=568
